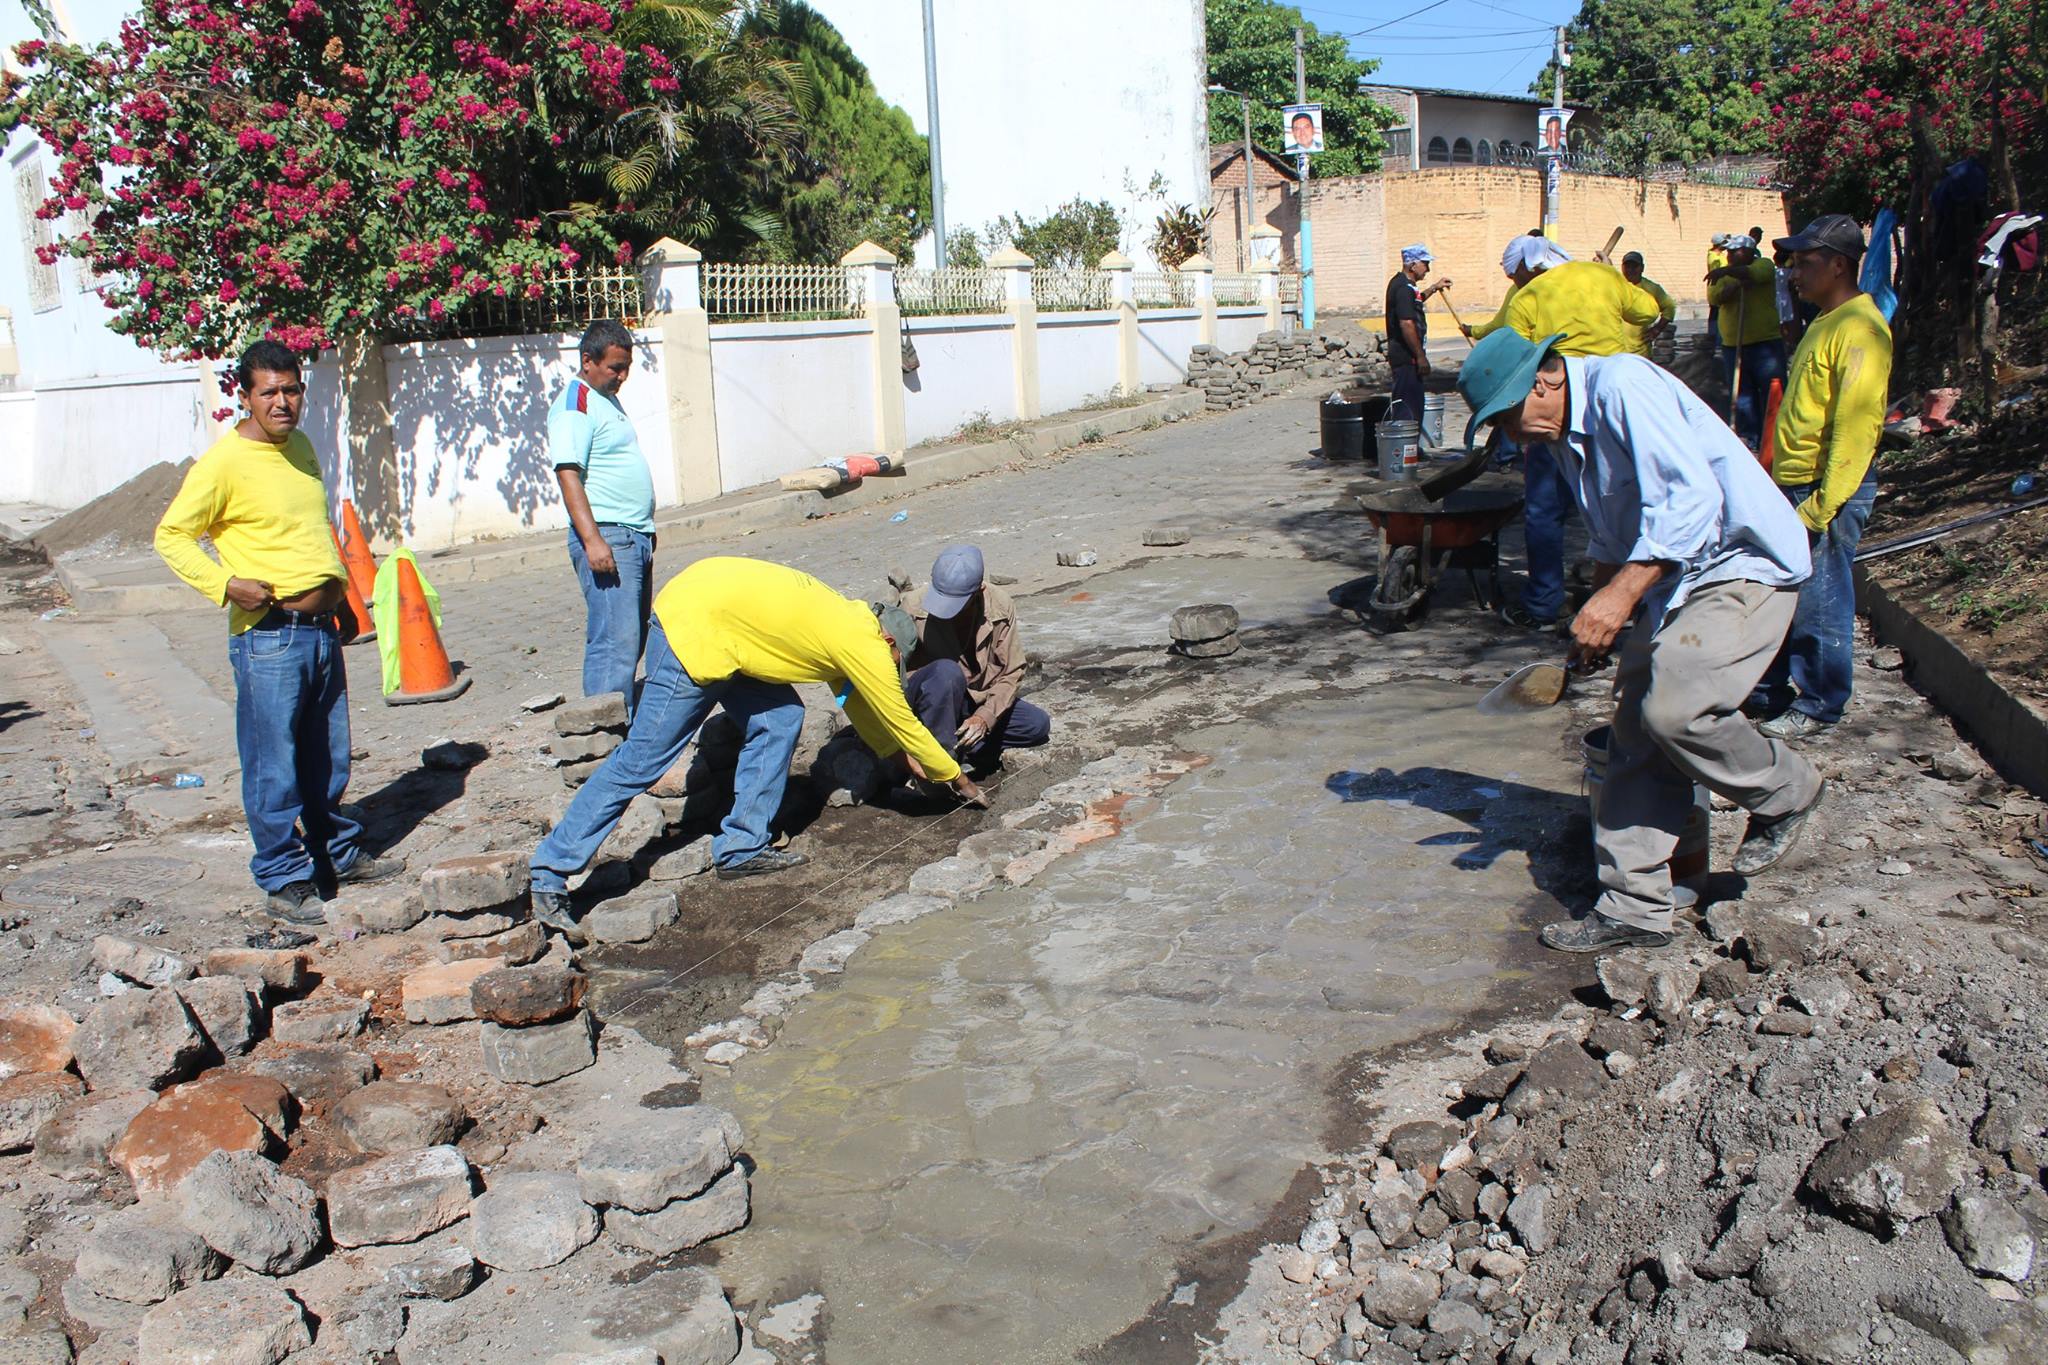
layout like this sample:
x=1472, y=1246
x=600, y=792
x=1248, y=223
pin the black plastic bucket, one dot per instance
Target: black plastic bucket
x=1348, y=416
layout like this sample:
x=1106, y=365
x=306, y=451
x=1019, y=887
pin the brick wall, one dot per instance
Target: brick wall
x=1276, y=205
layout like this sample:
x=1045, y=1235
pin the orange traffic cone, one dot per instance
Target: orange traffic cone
x=355, y=552
x=423, y=671
x=365, y=628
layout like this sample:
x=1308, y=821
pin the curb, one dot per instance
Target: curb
x=735, y=513
x=2010, y=730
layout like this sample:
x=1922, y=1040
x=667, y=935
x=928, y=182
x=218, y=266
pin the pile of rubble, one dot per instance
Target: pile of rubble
x=1276, y=362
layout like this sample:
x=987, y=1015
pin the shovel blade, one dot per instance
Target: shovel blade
x=1531, y=688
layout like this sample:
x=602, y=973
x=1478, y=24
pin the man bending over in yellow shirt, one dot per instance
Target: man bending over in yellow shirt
x=257, y=495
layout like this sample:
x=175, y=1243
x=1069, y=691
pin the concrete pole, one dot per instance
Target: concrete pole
x=1308, y=256
x=877, y=269
x=931, y=107
x=673, y=287
x=1553, y=162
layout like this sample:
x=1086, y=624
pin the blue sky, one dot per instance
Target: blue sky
x=1493, y=45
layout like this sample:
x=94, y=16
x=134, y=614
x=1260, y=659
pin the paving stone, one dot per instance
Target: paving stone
x=223, y=1112
x=1559, y=1072
x=568, y=749
x=1989, y=1236
x=679, y=1316
x=520, y=944
x=318, y=1077
x=141, y=1040
x=29, y=1101
x=518, y=996
x=1074, y=559
x=1894, y=1167
x=281, y=970
x=1210, y=649
x=632, y=919
x=583, y=715
x=1625, y=977
x=75, y=1140
x=226, y=1011
x=386, y=907
x=480, y=925
x=1420, y=1146
x=445, y=1273
x=651, y=1157
x=1769, y=941
x=225, y=1322
x=439, y=994
x=576, y=774
x=20, y=1287
x=690, y=860
x=530, y=1220
x=954, y=878
x=109, y=1317
x=540, y=1053
x=1165, y=535
x=398, y=1198
x=1398, y=1295
x=398, y=1116
x=34, y=1038
x=46, y=1347
x=321, y=1019
x=998, y=846
x=773, y=1000
x=145, y=1254
x=1536, y=1215
x=1210, y=621
x=480, y=881
x=899, y=909
x=373, y=1323
x=140, y=962
x=684, y=1223
x=251, y=1212
x=831, y=953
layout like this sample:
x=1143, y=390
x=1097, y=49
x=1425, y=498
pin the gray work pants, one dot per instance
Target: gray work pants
x=1677, y=721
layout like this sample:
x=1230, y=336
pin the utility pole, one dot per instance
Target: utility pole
x=1553, y=163
x=1244, y=240
x=1308, y=278
x=931, y=108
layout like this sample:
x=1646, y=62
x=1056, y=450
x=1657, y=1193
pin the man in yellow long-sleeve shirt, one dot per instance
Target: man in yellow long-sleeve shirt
x=1826, y=439
x=1667, y=307
x=256, y=493
x=1745, y=295
x=738, y=633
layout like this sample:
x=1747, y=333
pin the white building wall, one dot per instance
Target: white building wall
x=1164, y=339
x=965, y=371
x=1237, y=329
x=1076, y=359
x=788, y=395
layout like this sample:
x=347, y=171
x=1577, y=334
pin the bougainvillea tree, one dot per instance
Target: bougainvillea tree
x=316, y=169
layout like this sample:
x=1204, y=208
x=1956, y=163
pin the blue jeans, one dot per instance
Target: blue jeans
x=1815, y=670
x=291, y=730
x=672, y=706
x=1547, y=501
x=1761, y=362
x=938, y=694
x=616, y=609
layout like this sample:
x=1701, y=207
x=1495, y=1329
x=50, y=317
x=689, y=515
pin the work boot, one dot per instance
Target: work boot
x=1768, y=842
x=296, y=903
x=1596, y=933
x=554, y=912
x=1792, y=725
x=368, y=869
x=1515, y=614
x=766, y=861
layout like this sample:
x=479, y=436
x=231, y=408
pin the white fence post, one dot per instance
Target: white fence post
x=1125, y=300
x=1023, y=311
x=1204, y=271
x=878, y=268
x=672, y=285
x=1268, y=274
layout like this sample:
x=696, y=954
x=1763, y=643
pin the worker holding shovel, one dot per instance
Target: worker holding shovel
x=1699, y=558
x=1745, y=292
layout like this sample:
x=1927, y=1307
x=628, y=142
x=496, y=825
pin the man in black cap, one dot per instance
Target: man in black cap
x=967, y=664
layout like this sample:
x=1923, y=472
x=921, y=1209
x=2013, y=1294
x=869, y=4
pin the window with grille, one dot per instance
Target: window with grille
x=29, y=194
x=1439, y=150
x=1461, y=152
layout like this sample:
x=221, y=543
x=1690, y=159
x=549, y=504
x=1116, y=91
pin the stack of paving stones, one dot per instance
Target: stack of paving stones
x=1208, y=631
x=667, y=1179
x=1276, y=361
x=586, y=730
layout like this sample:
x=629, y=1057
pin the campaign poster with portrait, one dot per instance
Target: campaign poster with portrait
x=1301, y=129
x=1551, y=125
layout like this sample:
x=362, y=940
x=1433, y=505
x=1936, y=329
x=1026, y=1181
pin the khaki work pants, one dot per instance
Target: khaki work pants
x=1677, y=721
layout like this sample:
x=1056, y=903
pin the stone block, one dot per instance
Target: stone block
x=632, y=918
x=585, y=715
x=1559, y=1072
x=1989, y=1236
x=1398, y=1295
x=679, y=1316
x=75, y=1141
x=831, y=953
x=530, y=1220
x=140, y=962
x=398, y=1116
x=398, y=1198
x=34, y=1038
x=1891, y=1168
x=519, y=996
x=1537, y=1217
x=576, y=774
x=650, y=1158
x=226, y=1011
x=900, y=909
x=29, y=1101
x=478, y=925
x=439, y=994
x=684, y=1223
x=281, y=970
x=1075, y=559
x=1209, y=621
x=481, y=881
x=321, y=1019
x=145, y=1254
x=225, y=1322
x=140, y=1040
x=1209, y=649
x=588, y=748
x=386, y=907
x=46, y=1347
x=223, y=1112
x=540, y=1053
x=520, y=944
x=318, y=1077
x=445, y=1273
x=954, y=878
x=1165, y=535
x=690, y=860
x=251, y=1212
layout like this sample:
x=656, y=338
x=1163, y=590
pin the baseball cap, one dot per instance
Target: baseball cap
x=956, y=577
x=1836, y=232
x=1632, y=258
x=901, y=629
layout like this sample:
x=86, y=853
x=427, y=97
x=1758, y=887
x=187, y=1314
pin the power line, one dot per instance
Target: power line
x=1434, y=4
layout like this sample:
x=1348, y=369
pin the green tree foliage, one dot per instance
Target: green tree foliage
x=1251, y=48
x=1675, y=80
x=864, y=173
x=1075, y=236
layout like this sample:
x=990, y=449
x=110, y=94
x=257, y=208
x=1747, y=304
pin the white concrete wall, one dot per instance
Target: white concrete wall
x=1165, y=336
x=1076, y=359
x=1046, y=102
x=18, y=466
x=1238, y=328
x=788, y=395
x=966, y=371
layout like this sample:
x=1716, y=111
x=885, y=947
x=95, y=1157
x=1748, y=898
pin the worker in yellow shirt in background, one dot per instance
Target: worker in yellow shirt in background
x=1746, y=302
x=256, y=494
x=1591, y=310
x=1667, y=310
x=1826, y=441
x=737, y=633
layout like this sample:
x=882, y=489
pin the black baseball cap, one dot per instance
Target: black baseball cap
x=1836, y=232
x=1632, y=258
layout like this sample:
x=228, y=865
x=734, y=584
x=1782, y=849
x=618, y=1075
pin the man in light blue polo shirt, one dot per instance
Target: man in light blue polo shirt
x=610, y=497
x=1697, y=560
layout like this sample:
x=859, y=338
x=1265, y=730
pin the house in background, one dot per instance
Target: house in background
x=1467, y=127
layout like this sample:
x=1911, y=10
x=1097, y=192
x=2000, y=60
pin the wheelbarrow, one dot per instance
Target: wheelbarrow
x=1420, y=540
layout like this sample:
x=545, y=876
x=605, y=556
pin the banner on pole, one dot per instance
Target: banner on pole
x=1550, y=128
x=1302, y=127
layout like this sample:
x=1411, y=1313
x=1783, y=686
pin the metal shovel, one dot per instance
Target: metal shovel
x=1533, y=687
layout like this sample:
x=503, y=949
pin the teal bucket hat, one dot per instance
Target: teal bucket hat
x=1499, y=374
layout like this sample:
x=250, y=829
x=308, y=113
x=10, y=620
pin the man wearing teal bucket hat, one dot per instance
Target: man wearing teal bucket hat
x=1697, y=559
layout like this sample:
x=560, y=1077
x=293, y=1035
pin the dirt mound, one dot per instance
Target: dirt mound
x=119, y=521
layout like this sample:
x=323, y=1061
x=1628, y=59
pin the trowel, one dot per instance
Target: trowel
x=1533, y=687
